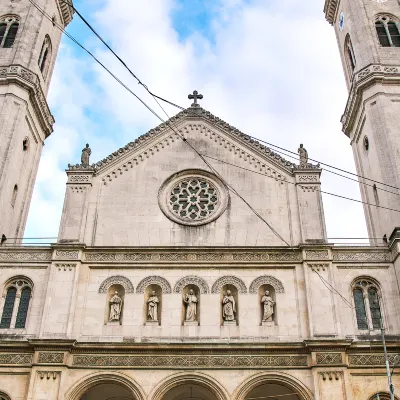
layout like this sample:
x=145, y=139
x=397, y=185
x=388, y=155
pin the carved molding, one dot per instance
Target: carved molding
x=309, y=189
x=191, y=280
x=67, y=12
x=266, y=280
x=15, y=359
x=31, y=82
x=65, y=267
x=307, y=178
x=154, y=280
x=372, y=359
x=117, y=280
x=317, y=255
x=331, y=375
x=361, y=256
x=49, y=374
x=79, y=178
x=190, y=361
x=329, y=358
x=25, y=256
x=193, y=257
x=46, y=357
x=67, y=254
x=318, y=267
x=229, y=280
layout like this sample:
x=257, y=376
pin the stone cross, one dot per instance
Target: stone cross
x=195, y=96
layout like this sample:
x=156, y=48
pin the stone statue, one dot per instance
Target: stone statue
x=303, y=156
x=191, y=306
x=268, y=307
x=228, y=307
x=86, y=152
x=152, y=307
x=115, y=307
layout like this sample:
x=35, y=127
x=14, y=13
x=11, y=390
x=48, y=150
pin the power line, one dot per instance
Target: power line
x=168, y=123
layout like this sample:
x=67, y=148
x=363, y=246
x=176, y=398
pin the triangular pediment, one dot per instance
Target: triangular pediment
x=194, y=118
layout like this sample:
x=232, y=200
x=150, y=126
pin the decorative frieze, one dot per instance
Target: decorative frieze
x=372, y=359
x=331, y=375
x=67, y=254
x=25, y=256
x=317, y=254
x=190, y=361
x=79, y=178
x=266, y=280
x=46, y=357
x=308, y=178
x=361, y=256
x=15, y=359
x=329, y=358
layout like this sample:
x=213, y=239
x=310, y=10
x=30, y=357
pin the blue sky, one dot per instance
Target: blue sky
x=270, y=68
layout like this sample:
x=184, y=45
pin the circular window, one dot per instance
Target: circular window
x=366, y=143
x=193, y=197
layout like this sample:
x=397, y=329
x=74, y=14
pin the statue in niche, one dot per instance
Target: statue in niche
x=303, y=156
x=152, y=307
x=86, y=152
x=115, y=307
x=268, y=307
x=228, y=307
x=191, y=306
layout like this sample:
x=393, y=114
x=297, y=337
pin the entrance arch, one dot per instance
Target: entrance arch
x=193, y=386
x=265, y=386
x=106, y=386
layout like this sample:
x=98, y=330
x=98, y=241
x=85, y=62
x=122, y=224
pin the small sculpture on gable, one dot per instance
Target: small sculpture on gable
x=303, y=156
x=86, y=152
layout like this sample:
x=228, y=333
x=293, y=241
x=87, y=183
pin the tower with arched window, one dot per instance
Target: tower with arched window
x=29, y=41
x=368, y=34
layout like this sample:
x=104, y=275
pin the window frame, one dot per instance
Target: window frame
x=9, y=20
x=370, y=284
x=385, y=19
x=19, y=283
x=45, y=56
x=350, y=58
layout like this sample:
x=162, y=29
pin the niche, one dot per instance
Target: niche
x=114, y=305
x=152, y=312
x=226, y=309
x=190, y=305
x=265, y=309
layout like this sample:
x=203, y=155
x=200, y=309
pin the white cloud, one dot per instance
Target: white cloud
x=272, y=69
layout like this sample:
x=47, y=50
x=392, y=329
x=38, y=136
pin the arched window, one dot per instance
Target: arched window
x=388, y=31
x=380, y=396
x=9, y=25
x=3, y=396
x=45, y=56
x=367, y=304
x=16, y=304
x=350, y=58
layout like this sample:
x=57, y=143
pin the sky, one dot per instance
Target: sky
x=271, y=68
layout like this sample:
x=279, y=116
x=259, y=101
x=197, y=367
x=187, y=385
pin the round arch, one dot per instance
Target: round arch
x=263, y=378
x=194, y=378
x=383, y=395
x=99, y=378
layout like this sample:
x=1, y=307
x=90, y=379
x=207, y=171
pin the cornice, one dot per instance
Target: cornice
x=366, y=77
x=331, y=9
x=30, y=81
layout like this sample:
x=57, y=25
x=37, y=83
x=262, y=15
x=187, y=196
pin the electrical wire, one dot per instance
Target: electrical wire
x=168, y=123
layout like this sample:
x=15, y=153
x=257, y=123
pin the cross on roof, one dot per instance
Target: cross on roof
x=195, y=96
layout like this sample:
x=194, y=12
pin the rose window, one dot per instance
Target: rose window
x=194, y=199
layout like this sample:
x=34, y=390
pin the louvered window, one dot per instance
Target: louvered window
x=360, y=309
x=23, y=308
x=8, y=308
x=388, y=31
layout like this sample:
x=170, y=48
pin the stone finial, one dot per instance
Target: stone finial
x=195, y=96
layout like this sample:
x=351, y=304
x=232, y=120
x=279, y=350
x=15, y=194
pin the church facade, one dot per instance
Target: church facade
x=193, y=263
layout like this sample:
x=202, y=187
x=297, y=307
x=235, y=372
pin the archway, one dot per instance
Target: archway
x=189, y=392
x=108, y=391
x=272, y=386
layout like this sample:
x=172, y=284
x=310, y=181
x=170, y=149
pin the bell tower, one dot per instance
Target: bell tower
x=29, y=41
x=368, y=36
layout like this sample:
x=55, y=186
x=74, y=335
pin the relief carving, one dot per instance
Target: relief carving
x=65, y=267
x=50, y=358
x=228, y=280
x=191, y=280
x=266, y=280
x=16, y=359
x=361, y=257
x=67, y=254
x=372, y=359
x=317, y=255
x=25, y=256
x=154, y=280
x=116, y=280
x=329, y=358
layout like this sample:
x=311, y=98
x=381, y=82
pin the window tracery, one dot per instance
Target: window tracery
x=45, y=56
x=9, y=25
x=388, y=30
x=367, y=304
x=18, y=293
